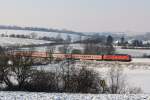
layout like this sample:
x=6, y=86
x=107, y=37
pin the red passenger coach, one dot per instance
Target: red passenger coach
x=87, y=57
x=59, y=56
x=78, y=56
x=39, y=54
x=30, y=54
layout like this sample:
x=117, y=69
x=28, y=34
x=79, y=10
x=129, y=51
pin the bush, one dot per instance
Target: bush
x=82, y=81
x=88, y=81
x=42, y=81
x=77, y=81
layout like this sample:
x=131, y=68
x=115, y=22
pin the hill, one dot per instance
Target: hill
x=40, y=29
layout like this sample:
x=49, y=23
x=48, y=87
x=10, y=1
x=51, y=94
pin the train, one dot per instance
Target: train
x=108, y=57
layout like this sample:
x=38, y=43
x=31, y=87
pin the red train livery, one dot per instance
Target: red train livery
x=116, y=57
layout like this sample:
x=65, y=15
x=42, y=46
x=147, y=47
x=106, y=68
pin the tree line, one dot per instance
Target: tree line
x=40, y=29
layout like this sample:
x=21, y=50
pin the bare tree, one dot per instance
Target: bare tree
x=50, y=50
x=22, y=68
x=90, y=48
x=89, y=81
x=64, y=48
x=4, y=68
x=59, y=39
x=66, y=66
x=33, y=35
x=81, y=80
x=109, y=45
x=42, y=81
x=68, y=39
x=109, y=40
x=98, y=45
x=117, y=80
x=118, y=84
x=78, y=39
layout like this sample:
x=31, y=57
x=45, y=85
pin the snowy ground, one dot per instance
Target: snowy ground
x=8, y=41
x=67, y=96
x=141, y=60
x=139, y=78
x=39, y=34
x=133, y=52
x=71, y=47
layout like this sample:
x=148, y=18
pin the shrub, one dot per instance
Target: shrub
x=82, y=81
x=42, y=81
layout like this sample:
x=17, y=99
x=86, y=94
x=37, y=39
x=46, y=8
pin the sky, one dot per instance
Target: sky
x=78, y=15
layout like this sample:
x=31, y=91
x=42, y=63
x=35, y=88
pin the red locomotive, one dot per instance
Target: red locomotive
x=115, y=57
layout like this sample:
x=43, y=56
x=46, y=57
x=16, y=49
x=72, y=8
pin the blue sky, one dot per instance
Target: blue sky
x=78, y=15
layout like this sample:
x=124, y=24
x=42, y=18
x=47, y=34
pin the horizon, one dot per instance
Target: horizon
x=79, y=16
x=115, y=32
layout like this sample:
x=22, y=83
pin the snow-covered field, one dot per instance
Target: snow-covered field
x=39, y=34
x=66, y=96
x=133, y=52
x=141, y=60
x=139, y=78
x=8, y=41
x=71, y=47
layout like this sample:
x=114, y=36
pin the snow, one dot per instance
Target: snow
x=8, y=41
x=139, y=78
x=39, y=33
x=133, y=52
x=7, y=95
x=56, y=48
x=141, y=60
